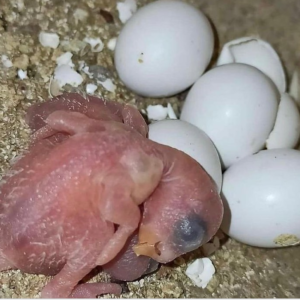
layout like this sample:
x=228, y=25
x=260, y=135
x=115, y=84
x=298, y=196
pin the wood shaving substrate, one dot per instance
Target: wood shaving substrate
x=241, y=271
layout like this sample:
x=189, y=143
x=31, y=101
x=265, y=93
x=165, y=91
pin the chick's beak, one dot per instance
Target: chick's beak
x=148, y=244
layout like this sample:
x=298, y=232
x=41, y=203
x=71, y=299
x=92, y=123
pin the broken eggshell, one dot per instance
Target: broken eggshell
x=286, y=131
x=126, y=9
x=159, y=112
x=201, y=272
x=63, y=74
x=294, y=90
x=48, y=39
x=257, y=53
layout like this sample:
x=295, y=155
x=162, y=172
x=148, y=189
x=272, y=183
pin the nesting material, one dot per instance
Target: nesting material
x=242, y=271
x=80, y=14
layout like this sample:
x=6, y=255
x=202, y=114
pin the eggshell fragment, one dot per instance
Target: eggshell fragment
x=108, y=85
x=156, y=112
x=22, y=74
x=49, y=39
x=171, y=113
x=65, y=59
x=201, y=272
x=126, y=9
x=191, y=140
x=95, y=43
x=64, y=74
x=295, y=87
x=159, y=112
x=257, y=53
x=286, y=132
x=262, y=199
x=54, y=88
x=111, y=45
x=7, y=63
x=91, y=88
x=85, y=68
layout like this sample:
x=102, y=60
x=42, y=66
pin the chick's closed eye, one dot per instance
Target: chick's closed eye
x=189, y=233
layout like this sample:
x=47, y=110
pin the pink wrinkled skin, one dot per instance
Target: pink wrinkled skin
x=89, y=180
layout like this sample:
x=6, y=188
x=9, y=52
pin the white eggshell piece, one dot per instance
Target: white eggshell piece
x=65, y=59
x=257, y=53
x=95, y=43
x=22, y=74
x=7, y=63
x=111, y=45
x=126, y=9
x=85, y=68
x=262, y=199
x=164, y=48
x=236, y=106
x=286, y=131
x=64, y=74
x=201, y=272
x=48, y=39
x=171, y=113
x=191, y=140
x=91, y=88
x=108, y=85
x=295, y=87
x=157, y=112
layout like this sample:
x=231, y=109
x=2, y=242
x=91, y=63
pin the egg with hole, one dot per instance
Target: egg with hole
x=286, y=131
x=261, y=196
x=191, y=140
x=236, y=106
x=163, y=48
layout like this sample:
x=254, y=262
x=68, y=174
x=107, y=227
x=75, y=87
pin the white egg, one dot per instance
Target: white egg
x=294, y=89
x=191, y=140
x=286, y=131
x=164, y=48
x=262, y=199
x=236, y=106
x=257, y=53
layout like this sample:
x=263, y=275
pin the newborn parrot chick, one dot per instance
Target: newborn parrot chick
x=88, y=181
